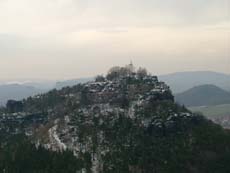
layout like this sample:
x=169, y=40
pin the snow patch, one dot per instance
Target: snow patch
x=55, y=140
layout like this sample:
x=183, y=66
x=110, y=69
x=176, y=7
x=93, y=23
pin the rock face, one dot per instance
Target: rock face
x=97, y=107
x=111, y=124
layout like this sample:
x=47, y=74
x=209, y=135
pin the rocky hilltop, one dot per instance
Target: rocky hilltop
x=126, y=121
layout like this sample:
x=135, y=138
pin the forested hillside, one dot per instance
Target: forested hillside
x=182, y=81
x=203, y=95
x=126, y=121
x=19, y=155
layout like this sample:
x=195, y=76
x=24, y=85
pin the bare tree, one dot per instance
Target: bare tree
x=99, y=78
x=141, y=73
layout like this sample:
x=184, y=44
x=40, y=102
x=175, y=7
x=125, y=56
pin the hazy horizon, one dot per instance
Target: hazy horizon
x=44, y=80
x=67, y=39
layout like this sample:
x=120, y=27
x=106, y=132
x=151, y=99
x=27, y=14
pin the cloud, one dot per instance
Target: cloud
x=55, y=16
x=57, y=38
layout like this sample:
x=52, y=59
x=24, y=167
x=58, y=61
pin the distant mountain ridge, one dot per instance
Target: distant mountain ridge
x=126, y=122
x=72, y=82
x=21, y=90
x=178, y=82
x=203, y=95
x=16, y=92
x=182, y=81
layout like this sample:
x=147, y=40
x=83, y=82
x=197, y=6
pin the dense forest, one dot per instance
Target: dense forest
x=124, y=122
x=19, y=155
x=199, y=146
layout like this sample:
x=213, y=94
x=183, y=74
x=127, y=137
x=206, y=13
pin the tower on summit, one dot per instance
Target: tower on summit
x=131, y=67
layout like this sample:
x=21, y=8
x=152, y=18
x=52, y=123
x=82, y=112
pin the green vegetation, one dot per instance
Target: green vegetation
x=191, y=145
x=19, y=155
x=124, y=122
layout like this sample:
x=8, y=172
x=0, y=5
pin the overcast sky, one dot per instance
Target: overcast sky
x=63, y=39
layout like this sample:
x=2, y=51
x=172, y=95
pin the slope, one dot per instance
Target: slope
x=182, y=81
x=17, y=92
x=125, y=122
x=203, y=95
